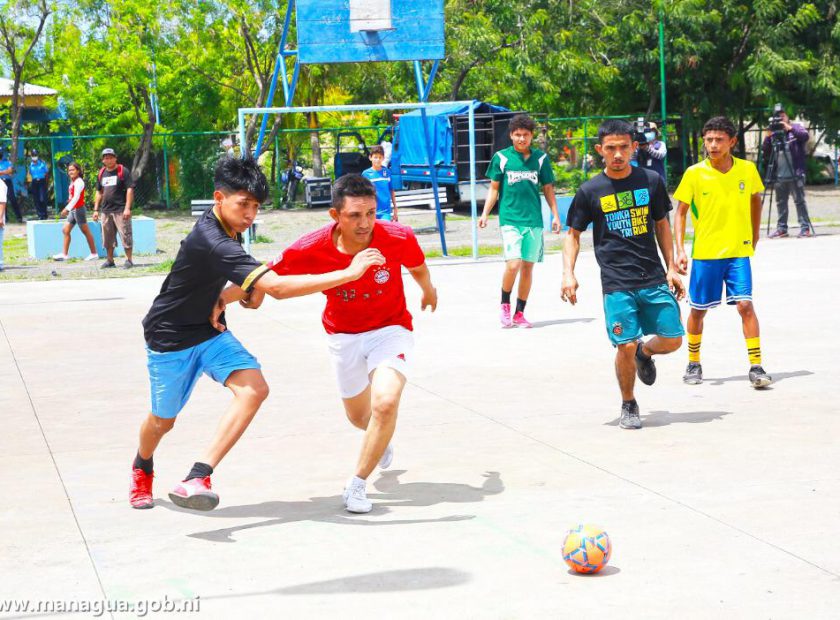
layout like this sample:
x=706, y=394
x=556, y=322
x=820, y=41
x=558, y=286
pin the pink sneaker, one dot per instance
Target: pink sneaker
x=504, y=316
x=194, y=494
x=519, y=320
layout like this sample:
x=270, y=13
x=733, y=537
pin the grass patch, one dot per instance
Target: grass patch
x=263, y=239
x=16, y=251
x=161, y=267
x=466, y=250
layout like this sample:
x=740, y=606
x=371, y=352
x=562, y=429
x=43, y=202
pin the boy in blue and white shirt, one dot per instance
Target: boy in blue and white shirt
x=381, y=179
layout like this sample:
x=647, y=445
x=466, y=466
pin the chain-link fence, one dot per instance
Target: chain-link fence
x=570, y=141
x=179, y=167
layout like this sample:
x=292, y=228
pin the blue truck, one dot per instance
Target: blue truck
x=449, y=134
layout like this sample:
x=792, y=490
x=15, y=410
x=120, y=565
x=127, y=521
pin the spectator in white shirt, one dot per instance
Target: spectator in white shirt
x=76, y=213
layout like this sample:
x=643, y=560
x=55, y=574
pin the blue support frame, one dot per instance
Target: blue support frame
x=424, y=89
x=384, y=106
x=280, y=67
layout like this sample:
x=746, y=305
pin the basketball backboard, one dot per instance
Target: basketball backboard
x=330, y=31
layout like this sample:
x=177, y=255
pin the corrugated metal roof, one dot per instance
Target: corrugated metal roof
x=32, y=90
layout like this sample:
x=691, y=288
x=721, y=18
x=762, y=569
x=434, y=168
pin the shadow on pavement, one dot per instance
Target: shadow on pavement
x=664, y=418
x=331, y=509
x=537, y=324
x=429, y=578
x=777, y=376
x=604, y=572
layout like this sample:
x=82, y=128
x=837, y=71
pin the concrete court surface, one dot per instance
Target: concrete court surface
x=727, y=503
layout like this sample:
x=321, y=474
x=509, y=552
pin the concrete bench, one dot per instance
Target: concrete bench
x=44, y=238
x=423, y=201
x=419, y=197
x=198, y=207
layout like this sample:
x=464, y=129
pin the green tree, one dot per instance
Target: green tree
x=21, y=24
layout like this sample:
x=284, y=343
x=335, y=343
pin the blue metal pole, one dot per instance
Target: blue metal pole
x=243, y=152
x=473, y=202
x=421, y=93
x=279, y=62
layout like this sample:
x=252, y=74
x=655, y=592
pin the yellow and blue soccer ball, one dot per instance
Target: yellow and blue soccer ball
x=587, y=548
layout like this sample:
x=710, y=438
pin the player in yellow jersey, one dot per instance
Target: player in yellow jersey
x=723, y=194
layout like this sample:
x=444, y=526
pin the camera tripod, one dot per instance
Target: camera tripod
x=771, y=178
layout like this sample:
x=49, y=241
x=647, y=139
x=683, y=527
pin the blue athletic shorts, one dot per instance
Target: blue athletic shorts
x=384, y=215
x=173, y=374
x=630, y=314
x=709, y=276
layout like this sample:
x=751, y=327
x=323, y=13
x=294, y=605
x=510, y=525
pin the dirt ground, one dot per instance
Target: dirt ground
x=278, y=228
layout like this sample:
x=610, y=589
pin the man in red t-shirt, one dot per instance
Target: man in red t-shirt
x=368, y=325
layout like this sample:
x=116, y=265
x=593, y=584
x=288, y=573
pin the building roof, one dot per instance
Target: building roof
x=29, y=90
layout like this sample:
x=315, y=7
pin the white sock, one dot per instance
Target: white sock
x=358, y=482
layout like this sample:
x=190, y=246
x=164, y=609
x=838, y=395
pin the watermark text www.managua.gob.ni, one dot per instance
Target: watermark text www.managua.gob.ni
x=99, y=607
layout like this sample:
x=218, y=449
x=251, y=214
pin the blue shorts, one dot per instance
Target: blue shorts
x=709, y=276
x=384, y=215
x=630, y=314
x=173, y=374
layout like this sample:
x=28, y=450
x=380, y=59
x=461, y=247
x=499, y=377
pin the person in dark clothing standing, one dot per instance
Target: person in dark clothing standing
x=790, y=176
x=39, y=173
x=115, y=195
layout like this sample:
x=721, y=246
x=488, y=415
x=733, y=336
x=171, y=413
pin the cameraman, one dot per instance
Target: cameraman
x=790, y=173
x=652, y=151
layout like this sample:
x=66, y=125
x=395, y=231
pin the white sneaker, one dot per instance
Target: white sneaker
x=91, y=256
x=355, y=497
x=59, y=257
x=387, y=458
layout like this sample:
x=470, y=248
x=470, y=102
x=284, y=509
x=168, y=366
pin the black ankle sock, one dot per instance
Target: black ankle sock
x=629, y=402
x=520, y=304
x=199, y=470
x=147, y=465
x=505, y=296
x=640, y=353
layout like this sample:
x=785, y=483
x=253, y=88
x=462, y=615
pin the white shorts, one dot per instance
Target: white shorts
x=356, y=356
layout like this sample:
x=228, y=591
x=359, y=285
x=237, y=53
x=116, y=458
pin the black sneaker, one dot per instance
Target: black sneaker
x=630, y=416
x=128, y=264
x=759, y=378
x=645, y=368
x=693, y=374
x=108, y=264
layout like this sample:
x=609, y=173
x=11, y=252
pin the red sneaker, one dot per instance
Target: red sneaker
x=195, y=494
x=140, y=491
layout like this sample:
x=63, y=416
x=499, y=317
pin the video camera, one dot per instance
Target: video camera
x=776, y=124
x=643, y=132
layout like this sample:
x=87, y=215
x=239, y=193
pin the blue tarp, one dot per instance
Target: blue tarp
x=412, y=141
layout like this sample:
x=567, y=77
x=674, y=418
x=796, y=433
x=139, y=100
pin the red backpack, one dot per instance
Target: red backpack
x=120, y=173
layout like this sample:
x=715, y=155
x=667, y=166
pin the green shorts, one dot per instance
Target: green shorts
x=523, y=242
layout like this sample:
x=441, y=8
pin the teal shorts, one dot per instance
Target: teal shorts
x=645, y=311
x=523, y=243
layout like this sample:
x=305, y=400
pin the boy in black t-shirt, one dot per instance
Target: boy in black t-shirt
x=182, y=343
x=628, y=209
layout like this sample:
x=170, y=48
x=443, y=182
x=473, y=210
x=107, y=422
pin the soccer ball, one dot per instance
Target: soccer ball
x=587, y=549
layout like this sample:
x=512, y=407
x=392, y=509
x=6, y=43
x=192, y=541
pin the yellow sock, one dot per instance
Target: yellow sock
x=753, y=350
x=694, y=347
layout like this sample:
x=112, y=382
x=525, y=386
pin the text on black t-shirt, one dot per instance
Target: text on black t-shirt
x=623, y=212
